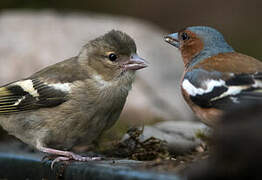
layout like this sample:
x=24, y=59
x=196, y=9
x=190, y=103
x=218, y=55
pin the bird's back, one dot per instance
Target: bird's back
x=230, y=62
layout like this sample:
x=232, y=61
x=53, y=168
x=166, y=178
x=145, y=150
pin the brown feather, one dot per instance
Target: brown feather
x=230, y=62
x=191, y=47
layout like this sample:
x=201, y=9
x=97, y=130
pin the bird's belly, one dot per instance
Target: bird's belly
x=209, y=116
x=60, y=131
x=83, y=126
x=66, y=125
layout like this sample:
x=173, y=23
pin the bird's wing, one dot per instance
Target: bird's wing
x=221, y=90
x=48, y=87
x=29, y=94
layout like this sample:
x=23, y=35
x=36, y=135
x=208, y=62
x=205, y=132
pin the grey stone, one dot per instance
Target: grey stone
x=181, y=136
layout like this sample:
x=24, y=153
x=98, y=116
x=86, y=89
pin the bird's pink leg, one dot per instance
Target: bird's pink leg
x=65, y=155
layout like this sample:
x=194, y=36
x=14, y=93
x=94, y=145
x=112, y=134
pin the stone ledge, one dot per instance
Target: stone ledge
x=26, y=167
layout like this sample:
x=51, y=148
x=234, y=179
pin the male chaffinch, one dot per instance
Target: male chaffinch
x=215, y=77
x=72, y=101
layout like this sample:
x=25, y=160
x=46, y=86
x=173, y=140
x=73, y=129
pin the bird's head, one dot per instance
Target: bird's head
x=112, y=56
x=198, y=42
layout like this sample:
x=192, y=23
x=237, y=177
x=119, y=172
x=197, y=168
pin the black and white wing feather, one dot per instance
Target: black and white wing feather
x=30, y=94
x=214, y=89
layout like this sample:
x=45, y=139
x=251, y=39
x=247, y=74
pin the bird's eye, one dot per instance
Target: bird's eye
x=112, y=57
x=184, y=36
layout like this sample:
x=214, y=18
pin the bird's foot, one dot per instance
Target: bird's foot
x=64, y=155
x=72, y=156
x=58, y=159
x=77, y=157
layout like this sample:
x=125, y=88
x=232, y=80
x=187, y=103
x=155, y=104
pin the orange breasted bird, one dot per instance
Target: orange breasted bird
x=216, y=77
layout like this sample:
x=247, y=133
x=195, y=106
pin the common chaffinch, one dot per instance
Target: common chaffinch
x=72, y=101
x=215, y=77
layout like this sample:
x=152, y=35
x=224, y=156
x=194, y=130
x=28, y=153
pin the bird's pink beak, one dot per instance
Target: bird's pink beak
x=135, y=63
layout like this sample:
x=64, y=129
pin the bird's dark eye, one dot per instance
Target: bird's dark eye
x=184, y=36
x=112, y=57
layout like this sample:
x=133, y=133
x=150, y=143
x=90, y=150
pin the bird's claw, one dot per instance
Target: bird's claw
x=58, y=159
x=72, y=156
x=77, y=157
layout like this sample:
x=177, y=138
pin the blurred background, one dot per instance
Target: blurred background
x=238, y=20
x=37, y=33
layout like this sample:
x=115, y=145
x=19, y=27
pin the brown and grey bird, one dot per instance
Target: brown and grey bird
x=72, y=101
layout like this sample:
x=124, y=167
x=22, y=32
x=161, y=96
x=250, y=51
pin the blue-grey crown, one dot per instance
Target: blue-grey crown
x=214, y=42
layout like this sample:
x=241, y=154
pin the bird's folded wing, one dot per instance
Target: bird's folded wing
x=221, y=90
x=29, y=94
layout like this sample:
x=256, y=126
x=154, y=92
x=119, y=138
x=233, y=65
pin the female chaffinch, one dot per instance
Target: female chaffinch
x=72, y=101
x=215, y=77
